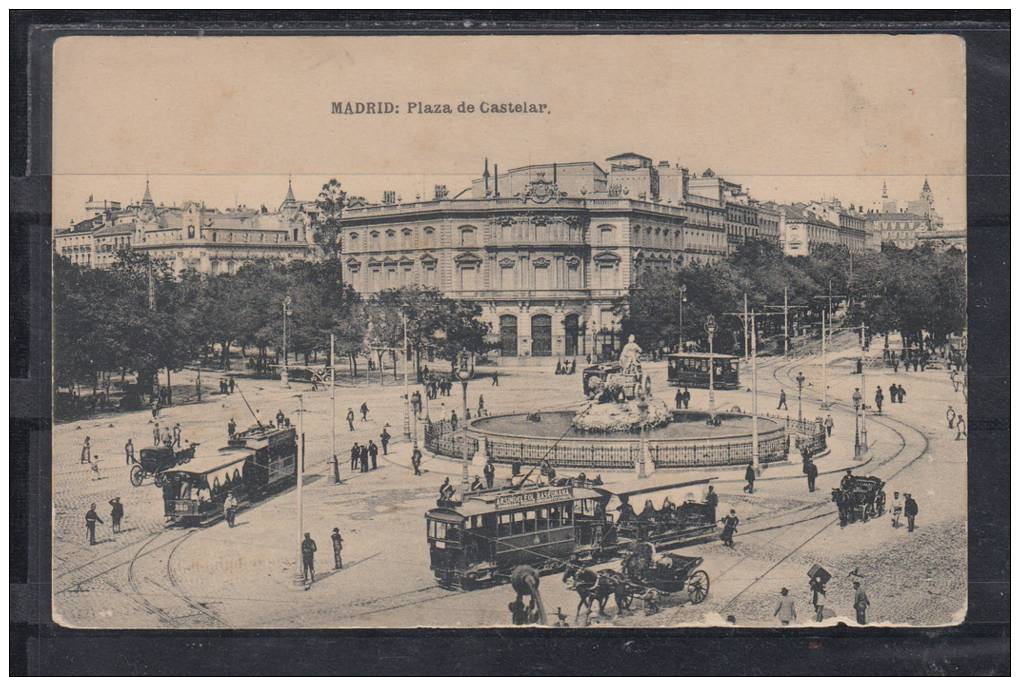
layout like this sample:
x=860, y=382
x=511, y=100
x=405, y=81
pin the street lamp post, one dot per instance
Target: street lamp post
x=800, y=391
x=643, y=449
x=710, y=327
x=857, y=423
x=299, y=471
x=754, y=397
x=465, y=370
x=285, y=376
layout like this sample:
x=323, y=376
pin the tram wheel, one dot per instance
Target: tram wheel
x=137, y=475
x=697, y=586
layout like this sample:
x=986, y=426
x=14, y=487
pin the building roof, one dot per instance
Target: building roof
x=628, y=154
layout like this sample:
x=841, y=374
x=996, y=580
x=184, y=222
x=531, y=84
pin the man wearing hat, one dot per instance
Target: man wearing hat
x=909, y=510
x=861, y=604
x=116, y=514
x=785, y=610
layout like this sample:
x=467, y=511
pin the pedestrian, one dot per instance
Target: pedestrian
x=416, y=461
x=782, y=400
x=481, y=405
x=811, y=470
x=729, y=523
x=364, y=411
x=901, y=391
x=338, y=547
x=897, y=509
x=687, y=398
x=308, y=560
x=177, y=435
x=856, y=397
x=909, y=511
x=711, y=500
x=155, y=433
x=443, y=488
x=495, y=378
x=86, y=450
x=879, y=398
x=350, y=418
x=231, y=428
x=384, y=438
x=828, y=425
x=961, y=427
x=749, y=477
x=861, y=604
x=364, y=458
x=785, y=610
x=453, y=419
x=373, y=451
x=895, y=366
x=952, y=379
x=490, y=473
x=950, y=416
x=679, y=399
x=91, y=518
x=818, y=598
x=94, y=467
x=116, y=514
x=355, y=455
x=232, y=385
x=129, y=453
x=230, y=509
x=280, y=418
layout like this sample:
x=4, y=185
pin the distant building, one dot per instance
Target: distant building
x=804, y=226
x=902, y=222
x=189, y=236
x=944, y=239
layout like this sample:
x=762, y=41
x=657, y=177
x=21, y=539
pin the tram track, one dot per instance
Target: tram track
x=886, y=422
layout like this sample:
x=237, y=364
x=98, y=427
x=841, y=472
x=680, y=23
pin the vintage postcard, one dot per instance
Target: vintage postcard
x=467, y=331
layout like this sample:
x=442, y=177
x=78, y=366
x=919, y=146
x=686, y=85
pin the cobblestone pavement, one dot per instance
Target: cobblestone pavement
x=216, y=577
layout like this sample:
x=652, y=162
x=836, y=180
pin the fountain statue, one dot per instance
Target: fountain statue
x=614, y=403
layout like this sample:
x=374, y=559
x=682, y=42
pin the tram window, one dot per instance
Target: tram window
x=555, y=516
x=568, y=517
x=505, y=524
x=542, y=519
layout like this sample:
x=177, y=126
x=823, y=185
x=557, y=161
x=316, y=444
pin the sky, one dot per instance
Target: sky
x=227, y=120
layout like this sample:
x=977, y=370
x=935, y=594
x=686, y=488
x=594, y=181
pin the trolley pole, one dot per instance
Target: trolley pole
x=710, y=328
x=332, y=399
x=754, y=398
x=683, y=299
x=786, y=320
x=300, y=472
x=285, y=376
x=747, y=342
x=825, y=366
x=407, y=388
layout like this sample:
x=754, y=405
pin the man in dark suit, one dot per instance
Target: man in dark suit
x=373, y=451
x=910, y=511
x=749, y=477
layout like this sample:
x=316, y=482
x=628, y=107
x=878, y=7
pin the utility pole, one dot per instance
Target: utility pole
x=332, y=396
x=747, y=342
x=299, y=472
x=407, y=388
x=710, y=328
x=285, y=376
x=754, y=399
x=786, y=318
x=825, y=364
x=683, y=300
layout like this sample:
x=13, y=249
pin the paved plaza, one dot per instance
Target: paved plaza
x=216, y=577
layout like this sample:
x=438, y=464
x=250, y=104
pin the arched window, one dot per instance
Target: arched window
x=508, y=335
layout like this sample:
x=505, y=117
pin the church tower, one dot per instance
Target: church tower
x=927, y=195
x=147, y=198
x=288, y=202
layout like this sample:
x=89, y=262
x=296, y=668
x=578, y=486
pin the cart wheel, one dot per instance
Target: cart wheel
x=137, y=475
x=158, y=480
x=467, y=583
x=697, y=586
x=627, y=599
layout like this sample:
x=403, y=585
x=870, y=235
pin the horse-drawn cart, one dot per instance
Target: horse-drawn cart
x=859, y=498
x=154, y=460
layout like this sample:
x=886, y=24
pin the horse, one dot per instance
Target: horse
x=589, y=586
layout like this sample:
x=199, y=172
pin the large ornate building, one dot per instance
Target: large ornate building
x=805, y=225
x=190, y=235
x=546, y=250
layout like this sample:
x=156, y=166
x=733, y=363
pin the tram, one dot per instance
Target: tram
x=690, y=370
x=482, y=537
x=255, y=463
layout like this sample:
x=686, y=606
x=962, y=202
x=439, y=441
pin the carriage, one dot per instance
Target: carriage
x=667, y=574
x=859, y=498
x=154, y=460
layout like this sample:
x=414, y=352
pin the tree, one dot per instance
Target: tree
x=326, y=225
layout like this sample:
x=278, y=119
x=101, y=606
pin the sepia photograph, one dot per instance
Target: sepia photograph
x=468, y=331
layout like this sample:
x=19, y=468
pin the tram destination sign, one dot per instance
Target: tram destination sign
x=524, y=499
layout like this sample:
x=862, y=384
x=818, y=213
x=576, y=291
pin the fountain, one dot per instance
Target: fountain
x=605, y=431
